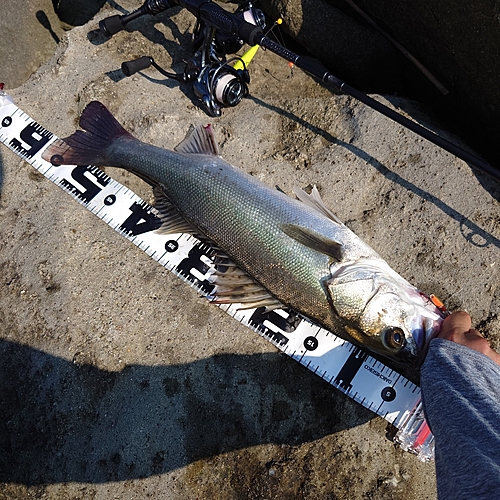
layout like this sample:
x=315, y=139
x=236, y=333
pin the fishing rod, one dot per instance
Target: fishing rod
x=217, y=81
x=224, y=31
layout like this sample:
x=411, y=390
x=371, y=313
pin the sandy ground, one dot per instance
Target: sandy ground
x=118, y=381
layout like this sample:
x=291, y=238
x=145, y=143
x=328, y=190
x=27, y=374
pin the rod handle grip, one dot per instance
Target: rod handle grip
x=111, y=25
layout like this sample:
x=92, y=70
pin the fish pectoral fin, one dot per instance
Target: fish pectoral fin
x=314, y=200
x=171, y=219
x=314, y=240
x=233, y=285
x=200, y=141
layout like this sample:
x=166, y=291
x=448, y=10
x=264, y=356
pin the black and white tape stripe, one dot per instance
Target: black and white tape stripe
x=345, y=366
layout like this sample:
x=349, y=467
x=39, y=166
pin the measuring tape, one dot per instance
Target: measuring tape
x=347, y=367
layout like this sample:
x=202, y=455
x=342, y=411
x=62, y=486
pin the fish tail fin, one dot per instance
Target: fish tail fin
x=88, y=146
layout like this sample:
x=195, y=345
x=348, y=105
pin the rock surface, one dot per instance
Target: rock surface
x=119, y=382
x=29, y=35
x=458, y=42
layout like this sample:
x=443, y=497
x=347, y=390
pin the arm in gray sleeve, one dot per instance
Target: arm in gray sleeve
x=461, y=397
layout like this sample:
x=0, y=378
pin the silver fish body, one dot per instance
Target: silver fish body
x=245, y=218
x=276, y=249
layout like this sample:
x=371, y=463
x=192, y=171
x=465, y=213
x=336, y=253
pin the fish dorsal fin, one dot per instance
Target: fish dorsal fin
x=314, y=240
x=200, y=141
x=171, y=219
x=314, y=200
x=234, y=285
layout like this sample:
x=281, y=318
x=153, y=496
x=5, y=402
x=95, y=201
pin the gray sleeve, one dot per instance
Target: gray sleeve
x=461, y=397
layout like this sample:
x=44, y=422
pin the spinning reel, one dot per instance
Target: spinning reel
x=216, y=82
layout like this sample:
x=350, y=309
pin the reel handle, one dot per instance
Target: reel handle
x=131, y=67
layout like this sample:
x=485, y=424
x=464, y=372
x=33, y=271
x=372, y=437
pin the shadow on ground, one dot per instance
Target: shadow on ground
x=471, y=231
x=66, y=420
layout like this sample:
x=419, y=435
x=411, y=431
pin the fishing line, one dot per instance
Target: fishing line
x=224, y=32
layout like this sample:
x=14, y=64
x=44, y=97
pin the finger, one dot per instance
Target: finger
x=457, y=328
x=455, y=324
x=476, y=341
x=494, y=356
x=474, y=334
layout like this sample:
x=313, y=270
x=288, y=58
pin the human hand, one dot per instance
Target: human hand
x=457, y=328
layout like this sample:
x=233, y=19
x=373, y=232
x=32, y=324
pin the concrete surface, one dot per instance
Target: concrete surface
x=29, y=35
x=118, y=381
x=458, y=42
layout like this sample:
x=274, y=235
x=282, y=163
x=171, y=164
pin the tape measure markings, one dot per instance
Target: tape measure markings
x=343, y=365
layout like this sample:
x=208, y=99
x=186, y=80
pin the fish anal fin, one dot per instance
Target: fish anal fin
x=233, y=285
x=314, y=200
x=268, y=304
x=200, y=141
x=314, y=240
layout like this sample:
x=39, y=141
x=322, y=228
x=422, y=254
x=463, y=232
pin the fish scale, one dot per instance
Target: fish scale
x=297, y=251
x=347, y=367
x=219, y=217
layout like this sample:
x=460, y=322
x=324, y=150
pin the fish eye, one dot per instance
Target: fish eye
x=394, y=337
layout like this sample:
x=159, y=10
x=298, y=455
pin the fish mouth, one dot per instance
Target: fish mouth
x=409, y=353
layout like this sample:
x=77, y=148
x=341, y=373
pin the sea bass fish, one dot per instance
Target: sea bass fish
x=271, y=250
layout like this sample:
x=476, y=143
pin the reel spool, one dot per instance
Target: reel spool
x=216, y=83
